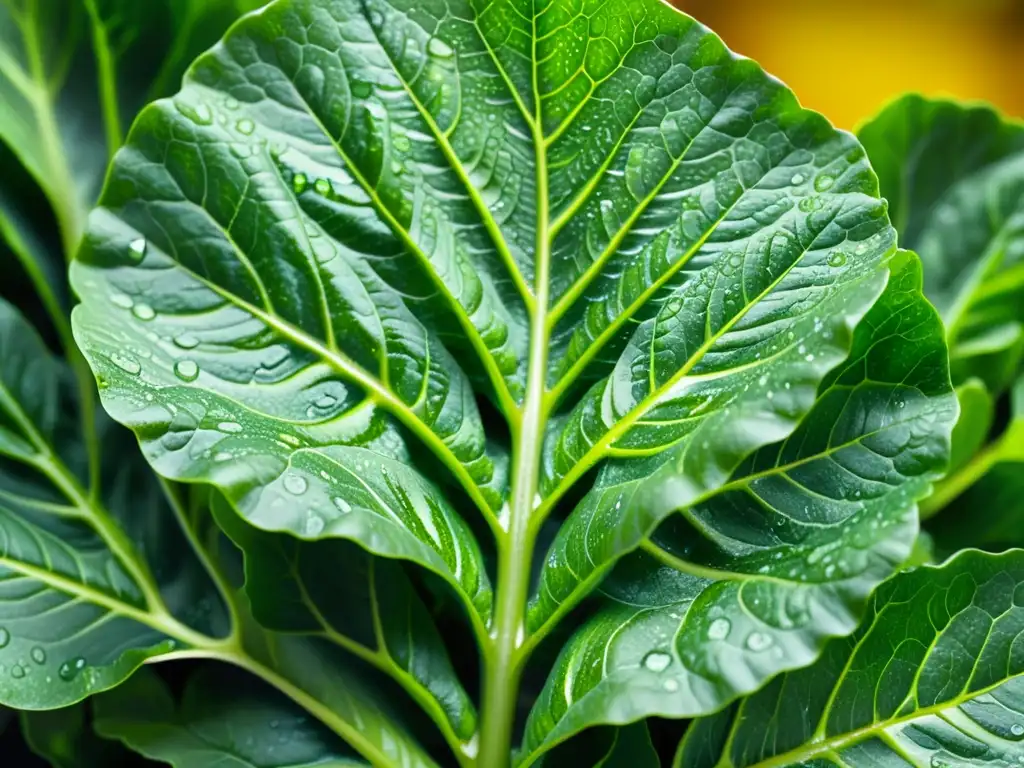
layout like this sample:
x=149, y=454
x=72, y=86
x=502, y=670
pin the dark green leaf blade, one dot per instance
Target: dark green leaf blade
x=293, y=586
x=954, y=177
x=931, y=678
x=783, y=556
x=223, y=720
x=66, y=740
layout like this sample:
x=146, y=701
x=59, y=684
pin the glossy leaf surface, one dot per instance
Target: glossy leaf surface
x=365, y=233
x=756, y=576
x=222, y=720
x=931, y=678
x=954, y=178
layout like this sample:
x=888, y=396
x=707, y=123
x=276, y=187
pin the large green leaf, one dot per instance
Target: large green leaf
x=72, y=75
x=364, y=230
x=761, y=571
x=293, y=586
x=954, y=178
x=72, y=586
x=65, y=738
x=932, y=678
x=223, y=720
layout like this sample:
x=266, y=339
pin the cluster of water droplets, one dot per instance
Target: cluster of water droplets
x=66, y=671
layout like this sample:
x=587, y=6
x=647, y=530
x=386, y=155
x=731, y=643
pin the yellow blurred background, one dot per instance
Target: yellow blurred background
x=847, y=58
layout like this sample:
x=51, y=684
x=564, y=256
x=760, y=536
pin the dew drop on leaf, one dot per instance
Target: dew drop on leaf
x=719, y=629
x=38, y=655
x=314, y=524
x=186, y=370
x=5, y=637
x=671, y=685
x=758, y=641
x=17, y=671
x=322, y=187
x=143, y=312
x=295, y=484
x=824, y=182
x=127, y=364
x=69, y=670
x=837, y=259
x=230, y=427
x=1017, y=729
x=343, y=506
x=657, y=661
x=797, y=179
x=122, y=301
x=245, y=126
x=186, y=341
x=299, y=183
x=137, y=249
x=440, y=48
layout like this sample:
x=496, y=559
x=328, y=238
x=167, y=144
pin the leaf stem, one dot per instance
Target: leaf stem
x=188, y=529
x=503, y=658
x=955, y=484
x=106, y=75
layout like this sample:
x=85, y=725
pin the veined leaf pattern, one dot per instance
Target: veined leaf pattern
x=931, y=678
x=366, y=231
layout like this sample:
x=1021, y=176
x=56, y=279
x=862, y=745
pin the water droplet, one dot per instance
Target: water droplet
x=939, y=762
x=401, y=143
x=759, y=642
x=5, y=637
x=376, y=18
x=245, y=126
x=122, y=301
x=38, y=655
x=137, y=249
x=231, y=103
x=824, y=182
x=326, y=401
x=186, y=370
x=186, y=341
x=314, y=524
x=837, y=259
x=295, y=484
x=127, y=364
x=143, y=312
x=798, y=178
x=199, y=114
x=323, y=187
x=657, y=661
x=69, y=670
x=230, y=427
x=221, y=456
x=17, y=671
x=1017, y=729
x=299, y=182
x=343, y=506
x=719, y=629
x=809, y=204
x=440, y=48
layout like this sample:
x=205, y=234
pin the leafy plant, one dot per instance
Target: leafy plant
x=510, y=377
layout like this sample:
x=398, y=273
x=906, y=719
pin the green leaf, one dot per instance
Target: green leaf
x=977, y=414
x=364, y=233
x=760, y=572
x=223, y=720
x=982, y=503
x=66, y=740
x=72, y=75
x=931, y=678
x=954, y=178
x=632, y=748
x=293, y=587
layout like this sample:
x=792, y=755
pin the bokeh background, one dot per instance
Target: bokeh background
x=848, y=58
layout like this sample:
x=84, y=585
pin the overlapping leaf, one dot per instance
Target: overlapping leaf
x=760, y=572
x=362, y=228
x=365, y=605
x=954, y=178
x=223, y=720
x=931, y=678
